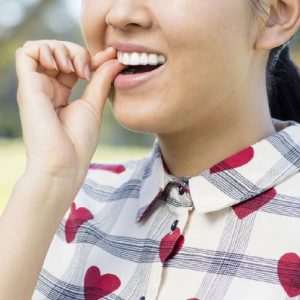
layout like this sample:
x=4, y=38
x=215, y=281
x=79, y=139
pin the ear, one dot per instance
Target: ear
x=282, y=22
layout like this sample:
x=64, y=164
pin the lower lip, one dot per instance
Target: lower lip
x=132, y=80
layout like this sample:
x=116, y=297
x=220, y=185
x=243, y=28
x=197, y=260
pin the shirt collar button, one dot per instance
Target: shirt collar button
x=174, y=225
x=186, y=181
x=181, y=190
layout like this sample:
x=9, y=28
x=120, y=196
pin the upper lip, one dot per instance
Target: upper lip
x=130, y=47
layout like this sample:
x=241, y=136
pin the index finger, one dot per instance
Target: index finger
x=101, y=56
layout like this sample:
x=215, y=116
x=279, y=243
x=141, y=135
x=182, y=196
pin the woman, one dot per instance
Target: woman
x=214, y=211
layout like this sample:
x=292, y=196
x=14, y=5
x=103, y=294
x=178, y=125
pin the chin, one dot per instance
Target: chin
x=142, y=123
x=138, y=121
x=140, y=114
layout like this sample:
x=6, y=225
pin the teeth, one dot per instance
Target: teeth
x=161, y=59
x=119, y=54
x=144, y=59
x=126, y=59
x=153, y=59
x=135, y=58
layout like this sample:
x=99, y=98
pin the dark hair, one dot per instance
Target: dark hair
x=282, y=80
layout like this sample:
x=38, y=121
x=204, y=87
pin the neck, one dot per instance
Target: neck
x=193, y=150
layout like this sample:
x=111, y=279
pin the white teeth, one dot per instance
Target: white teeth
x=135, y=58
x=144, y=59
x=153, y=59
x=119, y=54
x=126, y=59
x=161, y=59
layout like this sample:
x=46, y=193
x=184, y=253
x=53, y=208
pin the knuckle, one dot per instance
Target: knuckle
x=73, y=49
x=28, y=43
x=83, y=55
x=40, y=42
x=61, y=48
x=73, y=45
x=81, y=51
x=45, y=45
x=18, y=51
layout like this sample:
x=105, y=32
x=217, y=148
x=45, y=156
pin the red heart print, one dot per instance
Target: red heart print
x=236, y=160
x=114, y=168
x=247, y=207
x=170, y=244
x=288, y=271
x=178, y=245
x=76, y=218
x=97, y=286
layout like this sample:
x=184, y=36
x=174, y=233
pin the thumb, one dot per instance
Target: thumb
x=98, y=88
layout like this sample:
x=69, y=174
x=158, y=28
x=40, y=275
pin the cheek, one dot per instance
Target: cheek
x=205, y=25
x=210, y=43
x=93, y=24
x=83, y=5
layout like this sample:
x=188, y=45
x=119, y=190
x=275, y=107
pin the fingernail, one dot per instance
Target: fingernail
x=54, y=63
x=70, y=64
x=109, y=49
x=86, y=72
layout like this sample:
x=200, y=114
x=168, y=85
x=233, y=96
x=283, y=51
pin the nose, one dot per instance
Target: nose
x=128, y=14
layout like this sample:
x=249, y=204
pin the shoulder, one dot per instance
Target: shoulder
x=290, y=187
x=287, y=200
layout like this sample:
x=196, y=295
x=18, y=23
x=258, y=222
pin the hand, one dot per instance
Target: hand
x=61, y=137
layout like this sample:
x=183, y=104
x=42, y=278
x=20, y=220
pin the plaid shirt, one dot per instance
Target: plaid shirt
x=134, y=231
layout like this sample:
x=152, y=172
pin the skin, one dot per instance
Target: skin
x=211, y=100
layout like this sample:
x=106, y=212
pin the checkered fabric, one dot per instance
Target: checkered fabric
x=232, y=232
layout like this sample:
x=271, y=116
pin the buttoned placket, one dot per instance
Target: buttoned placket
x=179, y=205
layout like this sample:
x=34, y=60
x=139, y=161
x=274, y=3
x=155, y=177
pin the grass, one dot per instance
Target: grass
x=13, y=162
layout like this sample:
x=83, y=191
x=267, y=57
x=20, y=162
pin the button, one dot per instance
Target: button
x=143, y=298
x=186, y=181
x=174, y=225
x=181, y=190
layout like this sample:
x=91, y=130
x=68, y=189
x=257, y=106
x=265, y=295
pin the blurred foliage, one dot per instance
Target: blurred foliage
x=53, y=19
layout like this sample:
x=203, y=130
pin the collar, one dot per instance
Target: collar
x=244, y=175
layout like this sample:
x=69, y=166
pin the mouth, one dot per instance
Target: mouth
x=135, y=76
x=139, y=69
x=140, y=62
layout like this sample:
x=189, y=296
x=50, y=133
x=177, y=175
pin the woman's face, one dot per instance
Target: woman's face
x=208, y=49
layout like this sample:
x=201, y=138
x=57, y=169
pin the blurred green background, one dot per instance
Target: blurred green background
x=22, y=20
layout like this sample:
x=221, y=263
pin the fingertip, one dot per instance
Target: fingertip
x=101, y=56
x=110, y=50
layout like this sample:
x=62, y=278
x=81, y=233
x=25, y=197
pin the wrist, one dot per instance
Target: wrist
x=45, y=190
